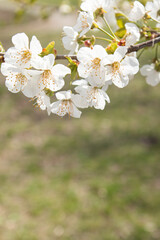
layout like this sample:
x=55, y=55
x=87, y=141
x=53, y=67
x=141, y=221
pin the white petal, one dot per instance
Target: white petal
x=120, y=53
x=130, y=65
x=99, y=52
x=35, y=45
x=74, y=112
x=79, y=101
x=83, y=70
x=60, y=70
x=20, y=41
x=84, y=55
x=44, y=63
x=120, y=81
x=146, y=69
x=64, y=95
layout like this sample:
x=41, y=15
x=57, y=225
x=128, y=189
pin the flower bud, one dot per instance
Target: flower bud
x=157, y=65
x=87, y=43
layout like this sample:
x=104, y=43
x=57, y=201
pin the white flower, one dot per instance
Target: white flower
x=137, y=12
x=132, y=34
x=43, y=102
x=70, y=39
x=92, y=64
x=84, y=23
x=16, y=78
x=67, y=104
x=153, y=9
x=120, y=67
x=94, y=96
x=152, y=76
x=22, y=54
x=50, y=76
x=92, y=5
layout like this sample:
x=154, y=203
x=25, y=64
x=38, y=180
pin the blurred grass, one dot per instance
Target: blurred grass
x=94, y=178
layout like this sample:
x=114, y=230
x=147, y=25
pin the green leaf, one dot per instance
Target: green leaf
x=48, y=92
x=112, y=48
x=120, y=32
x=49, y=49
x=121, y=20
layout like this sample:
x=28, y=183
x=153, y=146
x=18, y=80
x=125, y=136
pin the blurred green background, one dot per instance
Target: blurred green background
x=94, y=178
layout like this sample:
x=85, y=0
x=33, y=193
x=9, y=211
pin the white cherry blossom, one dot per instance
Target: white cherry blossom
x=92, y=64
x=49, y=76
x=94, y=96
x=92, y=5
x=22, y=54
x=137, y=12
x=153, y=9
x=120, y=67
x=152, y=76
x=67, y=104
x=43, y=102
x=70, y=39
x=84, y=23
x=132, y=34
x=16, y=78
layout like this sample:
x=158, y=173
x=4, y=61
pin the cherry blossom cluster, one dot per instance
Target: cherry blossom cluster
x=34, y=71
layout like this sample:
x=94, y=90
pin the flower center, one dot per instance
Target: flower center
x=84, y=22
x=66, y=106
x=115, y=67
x=21, y=79
x=96, y=63
x=92, y=95
x=25, y=56
x=46, y=77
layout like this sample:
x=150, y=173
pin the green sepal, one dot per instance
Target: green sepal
x=48, y=50
x=120, y=32
x=112, y=48
x=73, y=65
x=48, y=92
x=157, y=65
x=121, y=20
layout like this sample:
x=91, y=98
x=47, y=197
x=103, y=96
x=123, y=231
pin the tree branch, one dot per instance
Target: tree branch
x=131, y=49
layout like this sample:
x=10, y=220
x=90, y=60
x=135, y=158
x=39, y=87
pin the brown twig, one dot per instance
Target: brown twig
x=131, y=49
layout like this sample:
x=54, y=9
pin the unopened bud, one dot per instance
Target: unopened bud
x=122, y=42
x=157, y=65
x=147, y=16
x=87, y=43
x=99, y=13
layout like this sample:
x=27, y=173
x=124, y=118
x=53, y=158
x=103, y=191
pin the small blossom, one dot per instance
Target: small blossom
x=67, y=104
x=16, y=78
x=120, y=67
x=151, y=74
x=132, y=34
x=137, y=12
x=92, y=64
x=49, y=75
x=22, y=54
x=70, y=39
x=153, y=9
x=92, y=6
x=94, y=96
x=84, y=23
x=43, y=102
